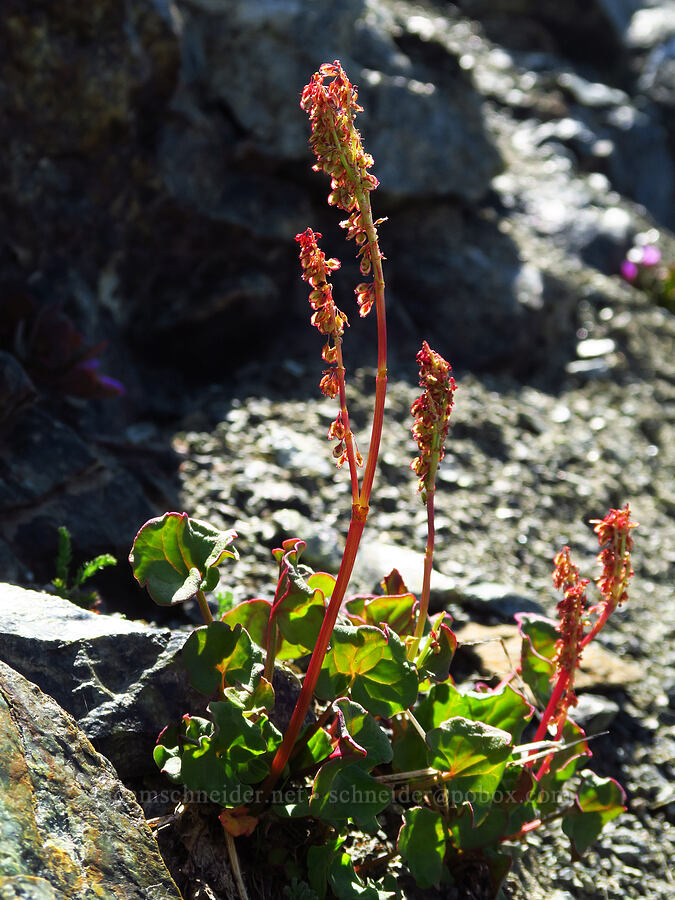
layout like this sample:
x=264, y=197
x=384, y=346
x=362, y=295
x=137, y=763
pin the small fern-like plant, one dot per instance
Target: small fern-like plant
x=70, y=585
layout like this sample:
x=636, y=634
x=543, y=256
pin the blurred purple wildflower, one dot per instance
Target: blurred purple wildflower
x=651, y=255
x=629, y=270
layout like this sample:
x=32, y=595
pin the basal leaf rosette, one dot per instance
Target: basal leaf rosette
x=370, y=665
x=174, y=557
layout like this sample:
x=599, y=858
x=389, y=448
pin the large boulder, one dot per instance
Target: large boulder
x=68, y=827
x=163, y=193
x=121, y=680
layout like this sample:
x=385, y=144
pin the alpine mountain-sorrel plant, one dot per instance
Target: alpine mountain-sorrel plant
x=381, y=740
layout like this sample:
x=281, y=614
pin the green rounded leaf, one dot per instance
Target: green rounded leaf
x=366, y=732
x=316, y=749
x=395, y=611
x=323, y=582
x=505, y=709
x=342, y=790
x=223, y=757
x=253, y=615
x=437, y=651
x=472, y=757
x=175, y=556
x=216, y=655
x=421, y=843
x=371, y=665
x=598, y=801
x=538, y=650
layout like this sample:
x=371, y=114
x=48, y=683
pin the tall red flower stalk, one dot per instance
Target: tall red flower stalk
x=616, y=544
x=432, y=420
x=331, y=103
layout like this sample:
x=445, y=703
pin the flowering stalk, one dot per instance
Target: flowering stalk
x=432, y=421
x=337, y=145
x=616, y=543
x=330, y=321
x=572, y=610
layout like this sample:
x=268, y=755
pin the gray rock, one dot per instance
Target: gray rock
x=594, y=712
x=651, y=25
x=16, y=389
x=501, y=600
x=443, y=149
x=51, y=476
x=590, y=28
x=123, y=681
x=68, y=827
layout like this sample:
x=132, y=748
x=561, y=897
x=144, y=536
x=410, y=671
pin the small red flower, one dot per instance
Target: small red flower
x=327, y=318
x=432, y=413
x=616, y=544
x=331, y=102
x=573, y=617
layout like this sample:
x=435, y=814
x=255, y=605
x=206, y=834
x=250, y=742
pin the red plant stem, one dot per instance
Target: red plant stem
x=349, y=438
x=431, y=537
x=558, y=691
x=381, y=379
x=426, y=581
x=306, y=692
x=359, y=513
x=536, y=823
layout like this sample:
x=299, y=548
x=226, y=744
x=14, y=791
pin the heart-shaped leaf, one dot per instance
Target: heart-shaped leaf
x=421, y=843
x=598, y=801
x=472, y=757
x=371, y=665
x=216, y=655
x=175, y=557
